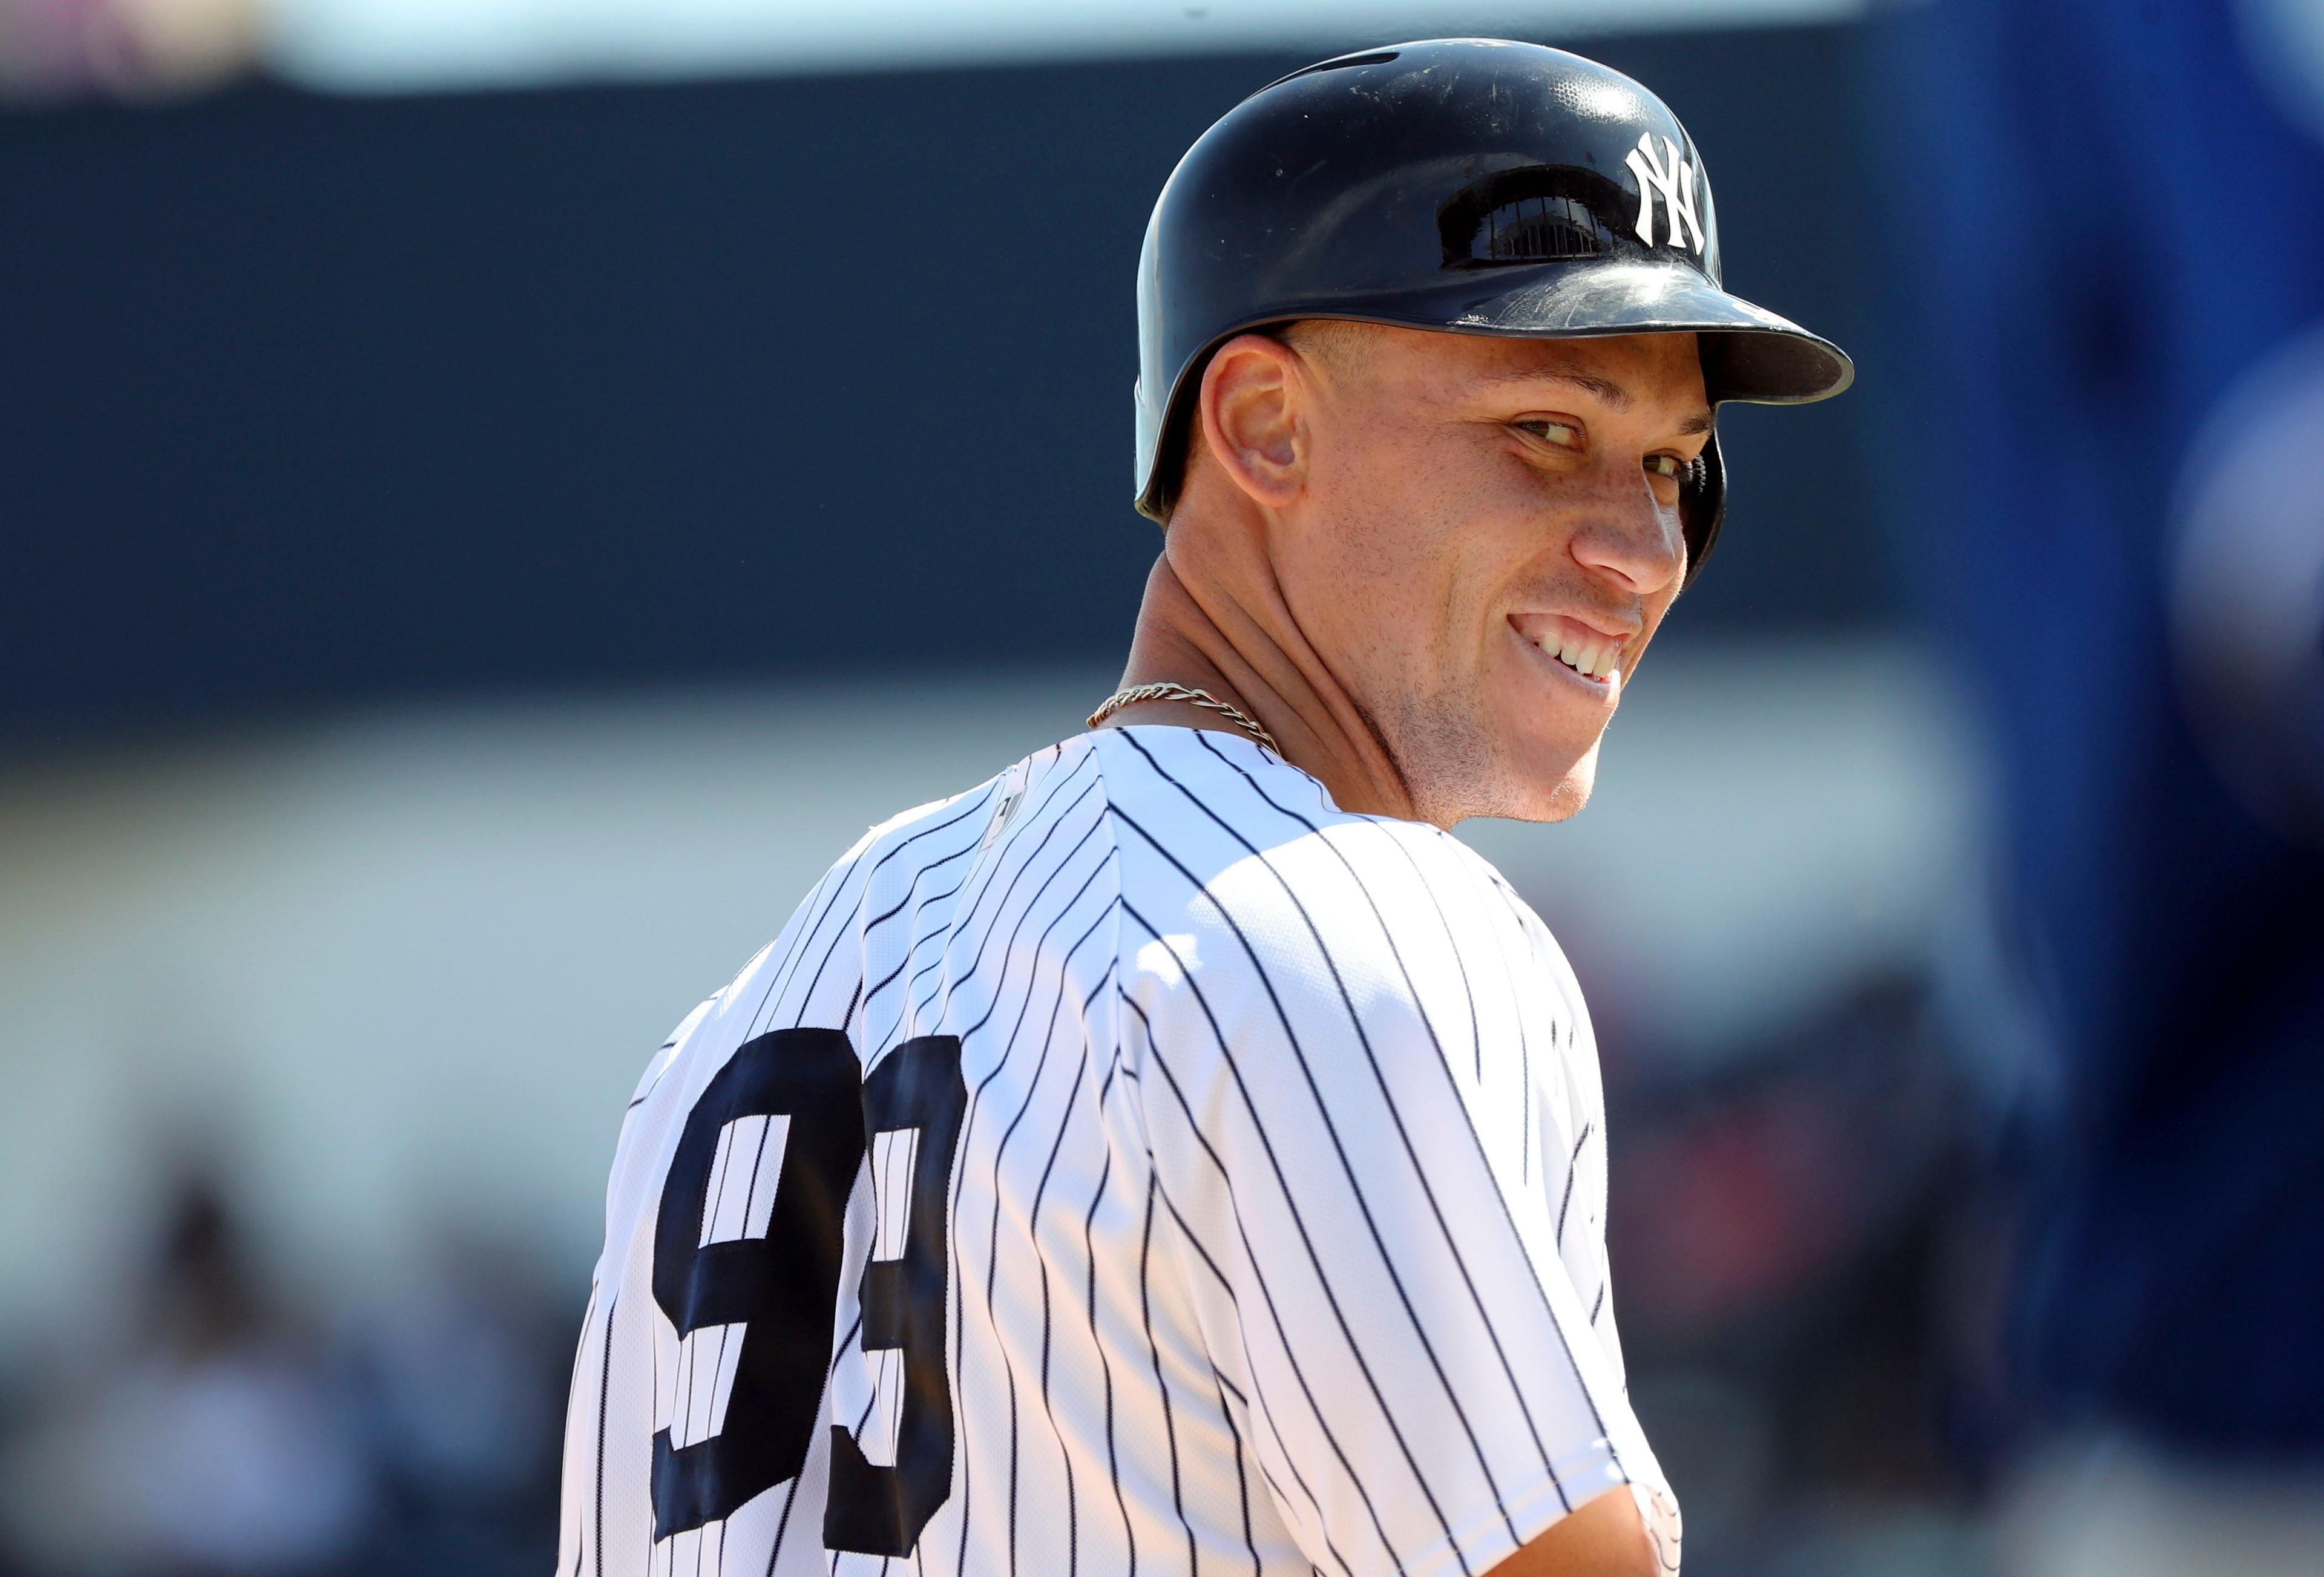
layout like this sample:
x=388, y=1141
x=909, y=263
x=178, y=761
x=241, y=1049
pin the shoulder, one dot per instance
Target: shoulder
x=808, y=973
x=1207, y=816
x=924, y=829
x=893, y=857
x=1237, y=869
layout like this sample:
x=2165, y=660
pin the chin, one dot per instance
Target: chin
x=1540, y=785
x=1560, y=790
x=1464, y=763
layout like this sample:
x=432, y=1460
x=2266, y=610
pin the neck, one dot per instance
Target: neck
x=1216, y=618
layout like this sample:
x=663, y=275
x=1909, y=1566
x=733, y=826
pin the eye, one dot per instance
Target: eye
x=1669, y=465
x=1564, y=434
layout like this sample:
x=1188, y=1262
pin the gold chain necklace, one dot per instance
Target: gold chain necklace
x=1168, y=691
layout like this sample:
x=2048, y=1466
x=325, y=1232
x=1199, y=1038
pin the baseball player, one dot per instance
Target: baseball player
x=1178, y=1154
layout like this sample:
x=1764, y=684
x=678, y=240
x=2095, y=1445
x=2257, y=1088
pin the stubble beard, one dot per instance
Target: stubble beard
x=1454, y=766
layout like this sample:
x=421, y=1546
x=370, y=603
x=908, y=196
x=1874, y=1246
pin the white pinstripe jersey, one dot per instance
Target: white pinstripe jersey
x=1135, y=1165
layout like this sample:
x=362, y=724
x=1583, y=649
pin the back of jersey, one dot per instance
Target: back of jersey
x=764, y=1378
x=1137, y=1166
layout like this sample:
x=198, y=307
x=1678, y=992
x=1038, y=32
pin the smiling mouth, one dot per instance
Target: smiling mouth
x=1595, y=660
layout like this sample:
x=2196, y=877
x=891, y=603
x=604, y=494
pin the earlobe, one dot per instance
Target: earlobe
x=1253, y=418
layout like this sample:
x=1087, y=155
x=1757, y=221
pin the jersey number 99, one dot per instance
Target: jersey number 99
x=732, y=1252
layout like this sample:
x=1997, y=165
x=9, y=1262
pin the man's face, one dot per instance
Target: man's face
x=1485, y=538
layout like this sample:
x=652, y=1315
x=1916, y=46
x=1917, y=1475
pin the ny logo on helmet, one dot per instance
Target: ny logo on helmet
x=1671, y=176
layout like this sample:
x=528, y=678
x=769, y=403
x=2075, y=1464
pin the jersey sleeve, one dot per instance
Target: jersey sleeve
x=1380, y=1292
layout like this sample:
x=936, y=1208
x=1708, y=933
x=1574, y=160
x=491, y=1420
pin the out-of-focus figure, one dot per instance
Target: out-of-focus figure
x=2248, y=594
x=210, y=1437
x=2108, y=221
x=135, y=49
x=204, y=1425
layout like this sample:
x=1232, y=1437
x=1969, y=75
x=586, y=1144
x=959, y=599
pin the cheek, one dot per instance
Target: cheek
x=1425, y=490
x=1380, y=498
x=1366, y=464
x=1424, y=531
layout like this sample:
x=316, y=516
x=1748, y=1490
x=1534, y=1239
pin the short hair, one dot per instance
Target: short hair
x=1343, y=344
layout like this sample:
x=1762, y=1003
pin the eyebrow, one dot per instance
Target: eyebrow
x=1606, y=389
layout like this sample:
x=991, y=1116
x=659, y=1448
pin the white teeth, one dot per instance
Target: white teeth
x=1595, y=661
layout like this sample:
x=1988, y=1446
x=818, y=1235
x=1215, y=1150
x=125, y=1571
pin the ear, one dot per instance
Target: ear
x=1254, y=417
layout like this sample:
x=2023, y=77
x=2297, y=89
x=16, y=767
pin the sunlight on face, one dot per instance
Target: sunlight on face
x=1487, y=539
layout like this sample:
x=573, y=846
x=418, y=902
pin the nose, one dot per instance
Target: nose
x=1628, y=538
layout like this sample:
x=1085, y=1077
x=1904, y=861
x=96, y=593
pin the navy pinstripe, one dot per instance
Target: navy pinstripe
x=1262, y=1274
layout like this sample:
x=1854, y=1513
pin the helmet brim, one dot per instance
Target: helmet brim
x=1748, y=353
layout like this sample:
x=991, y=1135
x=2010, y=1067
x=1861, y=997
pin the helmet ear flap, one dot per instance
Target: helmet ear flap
x=1702, y=505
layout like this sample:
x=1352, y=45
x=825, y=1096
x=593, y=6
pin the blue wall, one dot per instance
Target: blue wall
x=309, y=402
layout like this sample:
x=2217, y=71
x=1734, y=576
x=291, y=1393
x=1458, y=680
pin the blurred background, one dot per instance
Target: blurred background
x=495, y=494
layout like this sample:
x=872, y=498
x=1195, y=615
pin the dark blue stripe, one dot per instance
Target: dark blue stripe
x=1315, y=1260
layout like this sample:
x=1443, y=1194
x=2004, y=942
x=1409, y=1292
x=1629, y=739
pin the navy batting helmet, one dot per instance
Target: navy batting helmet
x=1470, y=186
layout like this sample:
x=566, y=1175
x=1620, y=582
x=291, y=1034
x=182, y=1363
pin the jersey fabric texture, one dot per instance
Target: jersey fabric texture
x=1136, y=1165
